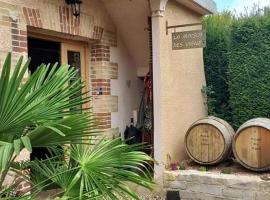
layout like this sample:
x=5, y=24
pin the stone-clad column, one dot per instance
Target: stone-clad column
x=102, y=71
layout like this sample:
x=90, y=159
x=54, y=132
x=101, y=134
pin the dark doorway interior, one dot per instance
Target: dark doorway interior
x=42, y=51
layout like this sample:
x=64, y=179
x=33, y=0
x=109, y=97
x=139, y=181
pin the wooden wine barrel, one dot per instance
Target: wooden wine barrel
x=208, y=141
x=251, y=144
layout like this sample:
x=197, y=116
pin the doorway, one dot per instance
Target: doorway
x=50, y=50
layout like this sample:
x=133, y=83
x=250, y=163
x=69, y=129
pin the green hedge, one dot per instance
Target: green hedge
x=237, y=65
x=249, y=68
x=216, y=62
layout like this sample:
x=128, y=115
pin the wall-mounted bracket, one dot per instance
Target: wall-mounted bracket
x=179, y=26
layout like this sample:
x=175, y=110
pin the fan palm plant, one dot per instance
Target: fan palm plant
x=46, y=111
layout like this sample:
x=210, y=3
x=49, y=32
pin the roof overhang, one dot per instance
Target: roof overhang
x=202, y=7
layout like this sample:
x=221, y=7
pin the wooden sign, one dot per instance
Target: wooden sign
x=188, y=39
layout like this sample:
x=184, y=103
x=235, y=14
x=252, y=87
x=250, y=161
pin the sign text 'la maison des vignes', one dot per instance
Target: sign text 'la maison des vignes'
x=188, y=39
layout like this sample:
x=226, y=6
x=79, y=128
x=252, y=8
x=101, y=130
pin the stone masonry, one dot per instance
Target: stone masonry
x=196, y=185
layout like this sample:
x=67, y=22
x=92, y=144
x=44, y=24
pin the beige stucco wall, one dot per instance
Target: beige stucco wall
x=128, y=87
x=182, y=77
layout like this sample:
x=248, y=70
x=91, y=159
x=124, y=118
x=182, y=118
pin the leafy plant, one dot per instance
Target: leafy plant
x=99, y=170
x=249, y=68
x=210, y=99
x=216, y=63
x=237, y=65
x=203, y=169
x=226, y=170
x=182, y=167
x=46, y=111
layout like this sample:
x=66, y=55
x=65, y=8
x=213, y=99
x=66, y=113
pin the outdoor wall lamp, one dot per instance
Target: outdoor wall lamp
x=76, y=6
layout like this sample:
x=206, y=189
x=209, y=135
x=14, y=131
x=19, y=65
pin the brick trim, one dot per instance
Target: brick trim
x=104, y=120
x=101, y=87
x=68, y=23
x=19, y=38
x=97, y=33
x=109, y=38
x=32, y=17
x=100, y=52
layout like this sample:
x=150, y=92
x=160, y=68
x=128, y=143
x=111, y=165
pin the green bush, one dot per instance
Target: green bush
x=237, y=65
x=249, y=68
x=216, y=64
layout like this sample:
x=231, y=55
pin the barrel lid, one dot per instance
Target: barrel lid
x=256, y=122
x=220, y=124
x=262, y=122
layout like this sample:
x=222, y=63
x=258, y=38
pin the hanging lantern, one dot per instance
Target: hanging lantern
x=76, y=6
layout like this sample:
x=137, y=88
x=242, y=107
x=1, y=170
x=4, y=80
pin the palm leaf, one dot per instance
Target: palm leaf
x=34, y=113
x=100, y=170
x=77, y=129
x=41, y=99
x=46, y=111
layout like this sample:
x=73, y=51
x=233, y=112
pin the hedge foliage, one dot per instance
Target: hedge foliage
x=216, y=62
x=249, y=68
x=237, y=66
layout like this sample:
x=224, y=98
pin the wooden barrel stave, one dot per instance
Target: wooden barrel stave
x=208, y=140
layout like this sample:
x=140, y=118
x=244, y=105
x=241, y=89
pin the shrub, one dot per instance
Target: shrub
x=216, y=63
x=249, y=68
x=237, y=65
x=203, y=169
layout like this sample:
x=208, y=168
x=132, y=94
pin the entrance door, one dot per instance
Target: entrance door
x=75, y=56
x=45, y=49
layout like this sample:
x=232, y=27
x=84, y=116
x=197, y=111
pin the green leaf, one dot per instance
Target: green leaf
x=56, y=130
x=6, y=153
x=27, y=143
x=2, y=143
x=17, y=146
x=74, y=181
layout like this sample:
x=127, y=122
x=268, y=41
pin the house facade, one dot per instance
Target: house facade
x=114, y=43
